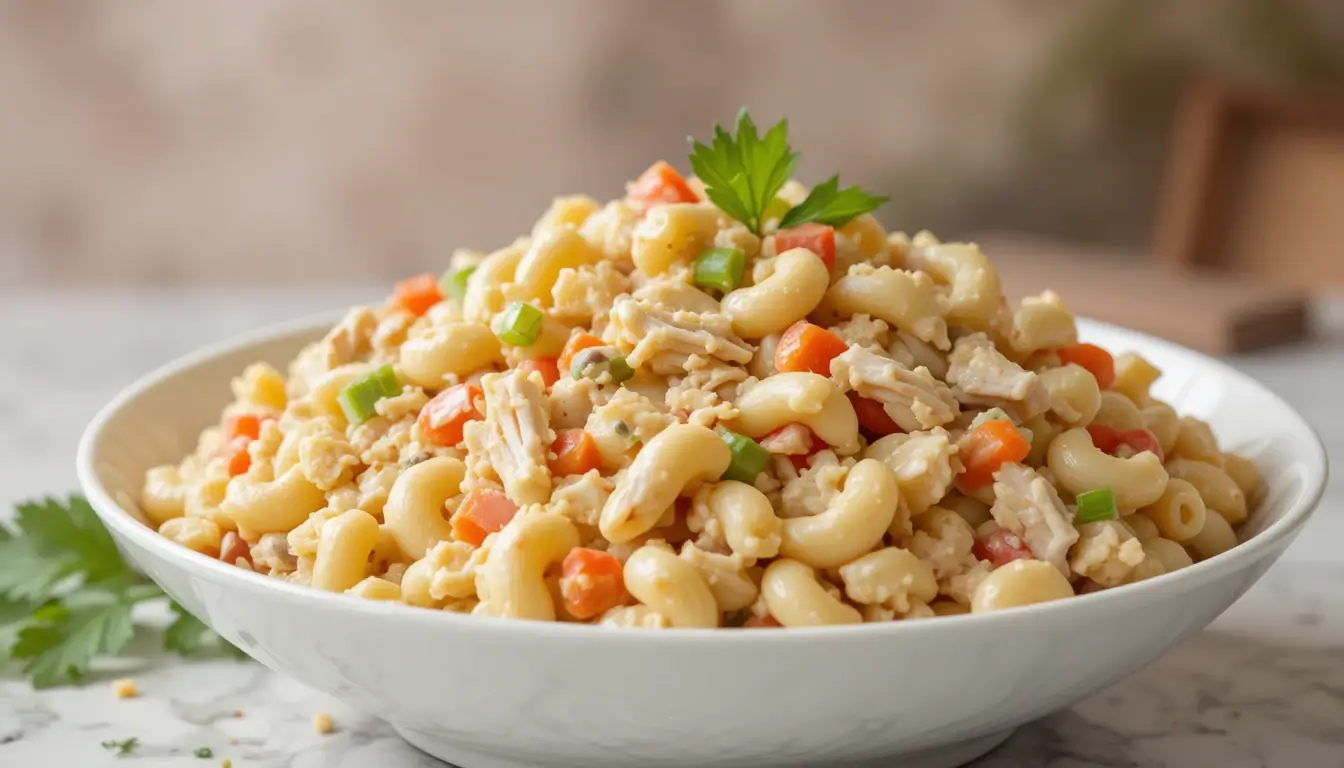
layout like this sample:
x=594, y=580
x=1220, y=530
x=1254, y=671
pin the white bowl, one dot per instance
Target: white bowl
x=487, y=693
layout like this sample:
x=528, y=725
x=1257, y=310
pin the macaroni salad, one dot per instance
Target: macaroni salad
x=684, y=408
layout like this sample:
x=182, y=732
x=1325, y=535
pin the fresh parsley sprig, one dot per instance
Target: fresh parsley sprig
x=826, y=204
x=743, y=173
x=67, y=596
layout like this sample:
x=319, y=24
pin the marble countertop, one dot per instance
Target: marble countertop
x=1262, y=686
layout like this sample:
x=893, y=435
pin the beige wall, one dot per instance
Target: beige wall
x=162, y=140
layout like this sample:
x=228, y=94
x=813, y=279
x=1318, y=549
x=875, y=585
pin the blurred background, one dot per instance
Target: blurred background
x=219, y=141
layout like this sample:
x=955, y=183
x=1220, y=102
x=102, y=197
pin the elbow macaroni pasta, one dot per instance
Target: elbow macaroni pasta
x=809, y=399
x=792, y=291
x=1079, y=466
x=672, y=587
x=414, y=511
x=801, y=446
x=853, y=523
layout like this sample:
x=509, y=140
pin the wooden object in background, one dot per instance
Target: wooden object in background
x=1255, y=185
x=1214, y=312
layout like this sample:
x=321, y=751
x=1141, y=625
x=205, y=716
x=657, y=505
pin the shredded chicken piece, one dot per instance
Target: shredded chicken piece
x=375, y=484
x=815, y=487
x=453, y=569
x=581, y=498
x=612, y=230
x=350, y=339
x=912, y=353
x=662, y=341
x=1106, y=552
x=726, y=575
x=705, y=395
x=945, y=541
x=922, y=462
x=913, y=399
x=587, y=292
x=390, y=334
x=963, y=585
x=1029, y=506
x=573, y=400
x=328, y=459
x=272, y=553
x=864, y=331
x=623, y=424
x=519, y=435
x=980, y=375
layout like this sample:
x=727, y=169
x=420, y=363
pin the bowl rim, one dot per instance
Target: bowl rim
x=122, y=522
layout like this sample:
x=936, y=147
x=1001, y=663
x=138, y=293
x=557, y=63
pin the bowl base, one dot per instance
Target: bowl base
x=949, y=756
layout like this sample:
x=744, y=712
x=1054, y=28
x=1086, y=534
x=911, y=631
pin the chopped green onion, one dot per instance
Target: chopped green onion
x=1097, y=505
x=358, y=397
x=454, y=282
x=204, y=753
x=519, y=325
x=720, y=268
x=620, y=370
x=593, y=362
x=749, y=458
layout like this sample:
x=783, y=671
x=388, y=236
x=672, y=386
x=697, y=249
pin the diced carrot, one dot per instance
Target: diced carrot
x=443, y=418
x=243, y=425
x=873, y=418
x=546, y=366
x=417, y=294
x=768, y=621
x=988, y=447
x=575, y=453
x=661, y=183
x=482, y=513
x=576, y=344
x=591, y=582
x=817, y=238
x=236, y=452
x=807, y=347
x=234, y=548
x=1096, y=360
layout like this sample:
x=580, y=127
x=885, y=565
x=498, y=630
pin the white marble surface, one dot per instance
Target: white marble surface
x=1263, y=686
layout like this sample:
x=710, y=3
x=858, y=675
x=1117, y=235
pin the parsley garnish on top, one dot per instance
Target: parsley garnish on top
x=66, y=594
x=742, y=175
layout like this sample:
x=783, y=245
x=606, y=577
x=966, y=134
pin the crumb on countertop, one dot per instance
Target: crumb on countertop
x=233, y=741
x=322, y=723
x=125, y=688
x=237, y=713
x=226, y=764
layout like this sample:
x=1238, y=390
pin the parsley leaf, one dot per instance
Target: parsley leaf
x=827, y=204
x=66, y=594
x=53, y=543
x=204, y=753
x=124, y=747
x=15, y=614
x=65, y=636
x=743, y=173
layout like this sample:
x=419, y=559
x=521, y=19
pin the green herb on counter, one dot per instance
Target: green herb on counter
x=66, y=595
